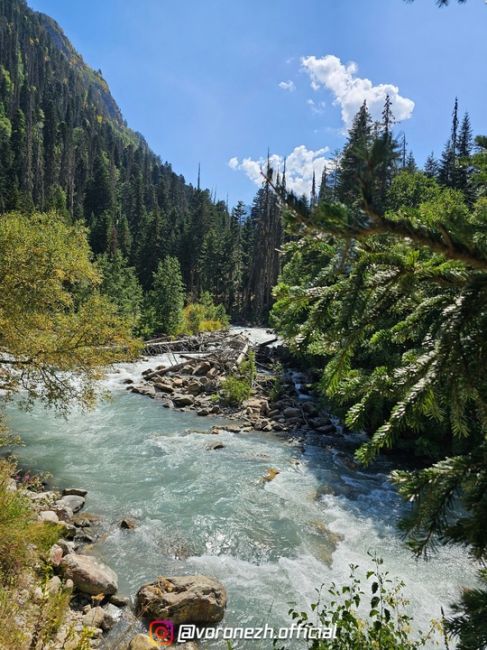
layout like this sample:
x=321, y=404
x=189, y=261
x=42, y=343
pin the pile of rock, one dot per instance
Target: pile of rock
x=184, y=386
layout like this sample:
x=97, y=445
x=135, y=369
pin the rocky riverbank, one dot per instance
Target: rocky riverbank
x=282, y=399
x=95, y=615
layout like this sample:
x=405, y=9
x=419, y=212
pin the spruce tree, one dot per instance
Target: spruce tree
x=166, y=299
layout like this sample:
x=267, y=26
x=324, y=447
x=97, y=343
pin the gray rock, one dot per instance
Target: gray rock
x=89, y=575
x=148, y=391
x=128, y=523
x=215, y=445
x=77, y=492
x=72, y=501
x=120, y=601
x=48, y=515
x=164, y=388
x=99, y=617
x=194, y=387
x=180, y=401
x=202, y=368
x=183, y=599
x=67, y=547
x=291, y=412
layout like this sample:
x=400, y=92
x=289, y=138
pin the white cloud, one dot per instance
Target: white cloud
x=287, y=85
x=300, y=165
x=350, y=90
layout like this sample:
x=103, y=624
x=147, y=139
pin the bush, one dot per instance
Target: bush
x=237, y=387
x=204, y=316
x=367, y=621
x=235, y=391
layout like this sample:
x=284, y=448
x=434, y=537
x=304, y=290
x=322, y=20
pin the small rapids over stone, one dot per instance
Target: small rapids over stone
x=204, y=510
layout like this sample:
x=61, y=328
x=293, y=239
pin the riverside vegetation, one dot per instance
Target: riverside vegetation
x=381, y=290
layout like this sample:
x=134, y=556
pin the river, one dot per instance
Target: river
x=272, y=544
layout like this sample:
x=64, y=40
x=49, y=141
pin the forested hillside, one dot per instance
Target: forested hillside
x=64, y=146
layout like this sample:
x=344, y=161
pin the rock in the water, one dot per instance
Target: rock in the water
x=181, y=401
x=72, y=501
x=77, y=492
x=149, y=391
x=99, y=617
x=49, y=515
x=119, y=601
x=215, y=445
x=89, y=575
x=272, y=472
x=128, y=523
x=199, y=600
x=141, y=642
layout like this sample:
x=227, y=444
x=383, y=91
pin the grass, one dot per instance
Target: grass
x=24, y=548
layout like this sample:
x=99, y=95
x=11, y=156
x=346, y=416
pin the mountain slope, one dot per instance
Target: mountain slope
x=64, y=145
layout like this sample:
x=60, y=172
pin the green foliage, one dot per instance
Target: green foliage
x=366, y=620
x=120, y=285
x=237, y=387
x=166, y=299
x=64, y=146
x=21, y=537
x=53, y=320
x=387, y=290
x=204, y=316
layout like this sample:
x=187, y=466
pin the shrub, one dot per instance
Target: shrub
x=235, y=390
x=237, y=387
x=204, y=316
x=367, y=621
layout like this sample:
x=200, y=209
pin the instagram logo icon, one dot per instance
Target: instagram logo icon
x=162, y=633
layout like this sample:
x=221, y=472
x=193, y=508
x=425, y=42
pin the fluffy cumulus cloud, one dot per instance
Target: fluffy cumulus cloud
x=350, y=90
x=287, y=85
x=300, y=165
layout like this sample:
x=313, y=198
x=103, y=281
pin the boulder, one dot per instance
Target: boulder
x=149, y=391
x=66, y=547
x=63, y=512
x=198, y=600
x=119, y=601
x=215, y=445
x=180, y=401
x=55, y=555
x=164, y=388
x=291, y=412
x=49, y=515
x=72, y=501
x=194, y=387
x=202, y=368
x=141, y=642
x=89, y=575
x=99, y=617
x=204, y=412
x=128, y=523
x=77, y=492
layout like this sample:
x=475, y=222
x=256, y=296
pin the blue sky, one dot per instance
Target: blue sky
x=221, y=81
